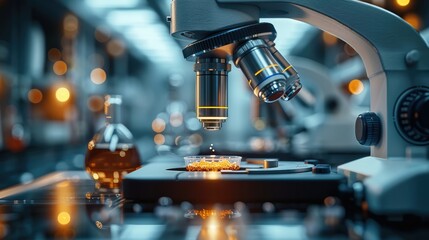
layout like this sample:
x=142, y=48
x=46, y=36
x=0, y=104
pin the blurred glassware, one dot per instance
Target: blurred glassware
x=176, y=129
x=111, y=153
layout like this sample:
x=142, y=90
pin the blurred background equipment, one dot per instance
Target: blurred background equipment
x=57, y=64
x=59, y=58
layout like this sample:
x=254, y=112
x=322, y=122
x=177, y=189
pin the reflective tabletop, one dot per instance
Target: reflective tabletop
x=64, y=205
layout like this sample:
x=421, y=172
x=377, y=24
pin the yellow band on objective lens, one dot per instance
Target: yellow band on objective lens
x=212, y=107
x=269, y=66
x=284, y=70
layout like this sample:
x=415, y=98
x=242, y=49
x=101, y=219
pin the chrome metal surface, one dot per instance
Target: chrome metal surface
x=262, y=71
x=266, y=163
x=293, y=83
x=211, y=91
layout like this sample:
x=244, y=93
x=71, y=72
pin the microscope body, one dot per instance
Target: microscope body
x=396, y=60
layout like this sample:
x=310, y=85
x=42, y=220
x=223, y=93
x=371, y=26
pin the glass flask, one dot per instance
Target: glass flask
x=111, y=153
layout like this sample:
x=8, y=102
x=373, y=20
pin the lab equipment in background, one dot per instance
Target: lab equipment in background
x=322, y=110
x=397, y=67
x=306, y=123
x=111, y=153
x=176, y=128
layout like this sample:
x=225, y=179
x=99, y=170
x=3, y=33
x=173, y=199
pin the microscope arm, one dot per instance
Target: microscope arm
x=395, y=56
x=396, y=60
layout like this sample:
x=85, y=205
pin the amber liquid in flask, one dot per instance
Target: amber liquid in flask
x=111, y=153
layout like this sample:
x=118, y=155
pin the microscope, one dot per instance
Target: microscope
x=396, y=59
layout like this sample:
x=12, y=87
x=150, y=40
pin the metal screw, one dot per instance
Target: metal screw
x=412, y=57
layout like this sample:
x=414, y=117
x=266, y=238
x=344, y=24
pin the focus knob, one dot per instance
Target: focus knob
x=368, y=129
x=412, y=115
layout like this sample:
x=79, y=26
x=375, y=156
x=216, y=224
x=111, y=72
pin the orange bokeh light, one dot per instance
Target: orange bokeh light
x=63, y=218
x=403, y=3
x=159, y=139
x=98, y=76
x=414, y=20
x=60, y=68
x=158, y=125
x=35, y=96
x=355, y=87
x=96, y=103
x=62, y=94
x=329, y=39
x=54, y=54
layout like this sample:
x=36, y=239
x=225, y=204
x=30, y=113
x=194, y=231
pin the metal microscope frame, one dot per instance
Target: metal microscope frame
x=395, y=56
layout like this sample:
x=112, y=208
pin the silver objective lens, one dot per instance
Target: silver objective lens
x=262, y=71
x=211, y=91
x=293, y=84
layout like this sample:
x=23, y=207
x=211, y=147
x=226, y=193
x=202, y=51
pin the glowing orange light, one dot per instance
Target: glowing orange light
x=54, y=54
x=98, y=76
x=355, y=86
x=35, y=96
x=158, y=125
x=70, y=26
x=206, y=213
x=349, y=50
x=60, y=68
x=115, y=47
x=63, y=218
x=95, y=176
x=414, y=20
x=159, y=139
x=329, y=39
x=95, y=103
x=62, y=94
x=403, y=3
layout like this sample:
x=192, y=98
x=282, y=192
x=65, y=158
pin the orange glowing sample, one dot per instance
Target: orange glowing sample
x=206, y=213
x=204, y=165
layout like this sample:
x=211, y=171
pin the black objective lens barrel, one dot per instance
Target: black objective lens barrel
x=211, y=91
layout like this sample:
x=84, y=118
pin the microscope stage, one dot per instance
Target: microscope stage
x=170, y=179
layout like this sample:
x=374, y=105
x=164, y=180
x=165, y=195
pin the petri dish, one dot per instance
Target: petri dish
x=212, y=162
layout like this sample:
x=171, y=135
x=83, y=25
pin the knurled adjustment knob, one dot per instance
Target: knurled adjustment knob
x=368, y=129
x=412, y=115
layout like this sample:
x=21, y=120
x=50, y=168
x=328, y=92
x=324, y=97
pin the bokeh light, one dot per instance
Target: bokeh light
x=62, y=94
x=355, y=87
x=158, y=125
x=414, y=20
x=159, y=139
x=70, y=26
x=35, y=96
x=329, y=39
x=115, y=47
x=54, y=54
x=403, y=3
x=98, y=76
x=64, y=218
x=60, y=68
x=95, y=103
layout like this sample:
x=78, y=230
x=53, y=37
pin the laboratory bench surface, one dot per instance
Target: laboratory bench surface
x=65, y=204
